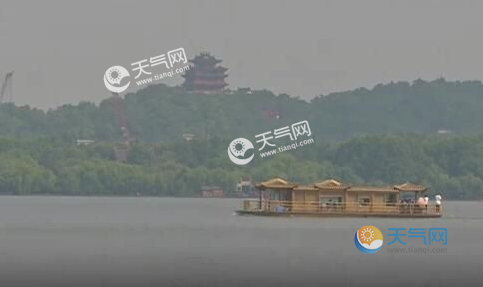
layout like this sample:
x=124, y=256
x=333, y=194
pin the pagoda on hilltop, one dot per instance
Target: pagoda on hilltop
x=205, y=76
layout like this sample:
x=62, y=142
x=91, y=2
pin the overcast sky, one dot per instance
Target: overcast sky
x=60, y=50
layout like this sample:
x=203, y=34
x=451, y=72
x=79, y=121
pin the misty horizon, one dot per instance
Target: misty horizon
x=303, y=50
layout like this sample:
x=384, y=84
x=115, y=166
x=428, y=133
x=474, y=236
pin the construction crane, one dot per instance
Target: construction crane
x=7, y=86
x=121, y=149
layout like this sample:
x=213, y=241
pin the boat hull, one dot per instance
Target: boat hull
x=328, y=214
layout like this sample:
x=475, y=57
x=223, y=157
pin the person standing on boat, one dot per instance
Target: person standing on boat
x=421, y=202
x=426, y=201
x=419, y=206
x=438, y=202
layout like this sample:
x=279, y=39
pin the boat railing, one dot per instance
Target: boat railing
x=281, y=206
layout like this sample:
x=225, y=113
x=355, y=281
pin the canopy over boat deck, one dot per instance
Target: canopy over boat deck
x=333, y=198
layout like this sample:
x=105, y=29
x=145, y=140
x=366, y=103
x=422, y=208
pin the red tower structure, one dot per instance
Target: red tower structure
x=205, y=76
x=121, y=150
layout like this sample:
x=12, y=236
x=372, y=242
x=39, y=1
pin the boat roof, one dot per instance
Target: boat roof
x=332, y=184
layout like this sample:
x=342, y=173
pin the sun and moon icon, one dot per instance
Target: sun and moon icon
x=367, y=235
x=368, y=239
x=113, y=77
x=237, y=150
x=238, y=147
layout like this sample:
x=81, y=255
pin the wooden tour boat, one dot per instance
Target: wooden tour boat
x=278, y=197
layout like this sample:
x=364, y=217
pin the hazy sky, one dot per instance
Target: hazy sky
x=60, y=50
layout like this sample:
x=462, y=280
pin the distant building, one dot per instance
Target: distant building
x=188, y=137
x=444, y=132
x=121, y=151
x=84, y=142
x=244, y=186
x=211, y=191
x=245, y=90
x=205, y=76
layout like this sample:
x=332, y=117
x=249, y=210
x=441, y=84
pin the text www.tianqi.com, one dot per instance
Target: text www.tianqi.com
x=160, y=76
x=418, y=250
x=287, y=147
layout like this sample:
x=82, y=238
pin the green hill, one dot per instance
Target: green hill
x=385, y=135
x=163, y=114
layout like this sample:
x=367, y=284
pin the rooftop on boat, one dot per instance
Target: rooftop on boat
x=330, y=197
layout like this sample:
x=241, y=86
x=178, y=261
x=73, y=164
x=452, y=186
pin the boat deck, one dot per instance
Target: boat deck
x=347, y=214
x=280, y=208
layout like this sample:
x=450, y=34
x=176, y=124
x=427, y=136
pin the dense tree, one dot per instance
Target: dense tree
x=425, y=132
x=160, y=113
x=451, y=165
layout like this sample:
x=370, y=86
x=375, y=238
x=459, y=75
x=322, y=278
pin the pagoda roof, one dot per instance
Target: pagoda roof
x=396, y=188
x=209, y=73
x=276, y=183
x=306, y=187
x=373, y=188
x=206, y=83
x=410, y=187
x=205, y=57
x=208, y=69
x=331, y=184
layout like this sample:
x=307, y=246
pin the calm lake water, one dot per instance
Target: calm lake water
x=67, y=241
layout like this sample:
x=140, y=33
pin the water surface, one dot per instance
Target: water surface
x=80, y=241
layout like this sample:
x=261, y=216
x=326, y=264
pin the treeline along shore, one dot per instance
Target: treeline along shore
x=452, y=166
x=427, y=132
